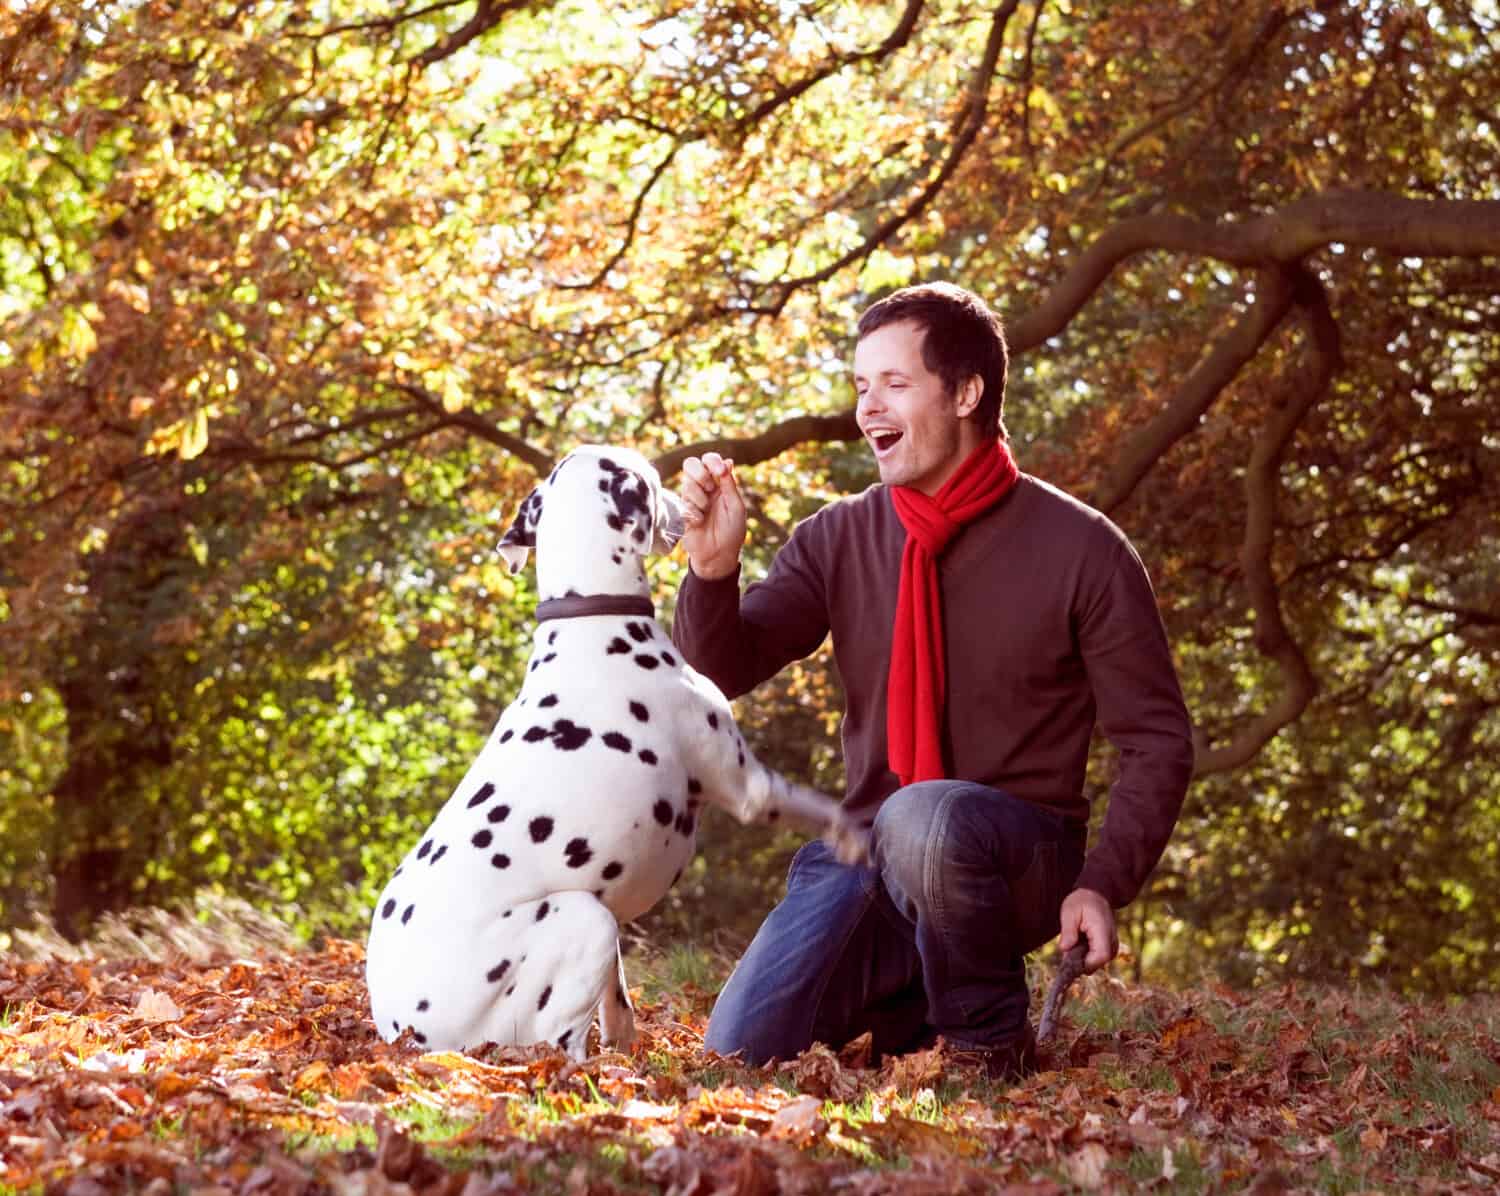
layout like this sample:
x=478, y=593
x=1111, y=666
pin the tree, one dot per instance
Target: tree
x=350, y=267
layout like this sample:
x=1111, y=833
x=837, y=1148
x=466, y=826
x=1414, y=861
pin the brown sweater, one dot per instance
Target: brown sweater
x=1051, y=625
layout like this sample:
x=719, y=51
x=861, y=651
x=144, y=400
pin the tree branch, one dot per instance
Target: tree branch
x=775, y=440
x=1367, y=219
x=898, y=37
x=1273, y=299
x=1262, y=486
x=963, y=129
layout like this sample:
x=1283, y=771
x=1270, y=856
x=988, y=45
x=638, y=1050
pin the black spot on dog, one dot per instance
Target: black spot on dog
x=540, y=828
x=567, y=737
x=614, y=739
x=639, y=536
x=646, y=662
x=423, y=1005
x=695, y=785
x=507, y=736
x=424, y=849
x=482, y=839
x=604, y=485
x=507, y=913
x=563, y=1041
x=397, y=872
x=742, y=759
x=713, y=720
x=684, y=824
x=543, y=910
x=541, y=1001
x=616, y=646
x=510, y=990
x=641, y=713
x=498, y=814
x=662, y=811
x=773, y=815
x=439, y=853
x=500, y=860
x=420, y=1037
x=578, y=852
x=486, y=791
x=612, y=870
x=669, y=660
x=549, y=658
x=647, y=756
x=406, y=914
x=639, y=632
x=388, y=908
x=552, y=639
x=396, y=1026
x=549, y=700
x=616, y=523
x=497, y=973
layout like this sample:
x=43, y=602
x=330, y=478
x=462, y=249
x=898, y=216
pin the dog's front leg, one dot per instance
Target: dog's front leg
x=740, y=784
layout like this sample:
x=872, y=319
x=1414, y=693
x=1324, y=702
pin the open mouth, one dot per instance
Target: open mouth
x=884, y=440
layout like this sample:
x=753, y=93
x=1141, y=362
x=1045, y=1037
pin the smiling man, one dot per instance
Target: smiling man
x=983, y=624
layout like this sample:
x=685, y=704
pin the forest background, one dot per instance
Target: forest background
x=297, y=302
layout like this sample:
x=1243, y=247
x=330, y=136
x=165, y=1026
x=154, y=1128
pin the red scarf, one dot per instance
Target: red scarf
x=915, y=690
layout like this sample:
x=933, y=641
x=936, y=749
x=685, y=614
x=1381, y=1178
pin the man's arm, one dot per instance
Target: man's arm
x=739, y=643
x=1141, y=711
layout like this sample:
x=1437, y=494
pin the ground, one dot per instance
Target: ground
x=257, y=1071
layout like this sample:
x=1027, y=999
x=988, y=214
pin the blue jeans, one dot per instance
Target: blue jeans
x=931, y=940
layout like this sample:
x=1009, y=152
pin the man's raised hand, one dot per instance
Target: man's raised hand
x=714, y=514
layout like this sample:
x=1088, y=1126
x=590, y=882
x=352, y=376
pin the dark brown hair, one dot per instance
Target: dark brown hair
x=961, y=338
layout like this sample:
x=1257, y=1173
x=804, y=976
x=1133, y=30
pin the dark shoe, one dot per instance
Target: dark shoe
x=1011, y=1060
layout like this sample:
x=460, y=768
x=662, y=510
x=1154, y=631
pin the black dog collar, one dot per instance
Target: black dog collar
x=577, y=605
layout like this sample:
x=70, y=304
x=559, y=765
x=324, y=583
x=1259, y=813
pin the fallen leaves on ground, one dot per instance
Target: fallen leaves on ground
x=264, y=1075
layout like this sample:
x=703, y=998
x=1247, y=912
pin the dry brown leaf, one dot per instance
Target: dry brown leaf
x=1088, y=1166
x=156, y=1006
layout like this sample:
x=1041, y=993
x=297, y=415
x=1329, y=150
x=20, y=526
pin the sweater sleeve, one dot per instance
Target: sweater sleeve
x=1141, y=711
x=739, y=642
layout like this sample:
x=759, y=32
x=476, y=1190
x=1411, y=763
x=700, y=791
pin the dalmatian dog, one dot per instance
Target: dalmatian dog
x=502, y=923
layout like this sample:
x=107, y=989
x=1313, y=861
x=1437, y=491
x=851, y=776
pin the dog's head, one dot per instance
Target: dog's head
x=597, y=490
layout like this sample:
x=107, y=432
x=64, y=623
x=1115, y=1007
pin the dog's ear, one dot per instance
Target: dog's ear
x=670, y=521
x=520, y=536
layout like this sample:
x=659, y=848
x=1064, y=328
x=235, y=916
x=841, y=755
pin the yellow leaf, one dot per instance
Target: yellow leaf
x=195, y=436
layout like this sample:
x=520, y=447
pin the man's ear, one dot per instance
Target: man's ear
x=969, y=394
x=520, y=536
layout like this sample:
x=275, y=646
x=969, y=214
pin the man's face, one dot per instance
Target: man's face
x=914, y=427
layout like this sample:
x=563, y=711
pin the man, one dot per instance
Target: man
x=982, y=623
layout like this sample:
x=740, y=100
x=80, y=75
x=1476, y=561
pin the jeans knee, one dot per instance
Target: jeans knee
x=904, y=829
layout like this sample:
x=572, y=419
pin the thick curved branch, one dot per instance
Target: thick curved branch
x=1262, y=485
x=775, y=440
x=1273, y=298
x=1365, y=219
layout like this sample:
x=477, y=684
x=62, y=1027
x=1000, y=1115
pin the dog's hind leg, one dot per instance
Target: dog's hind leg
x=563, y=961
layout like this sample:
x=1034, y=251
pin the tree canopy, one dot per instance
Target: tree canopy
x=297, y=300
